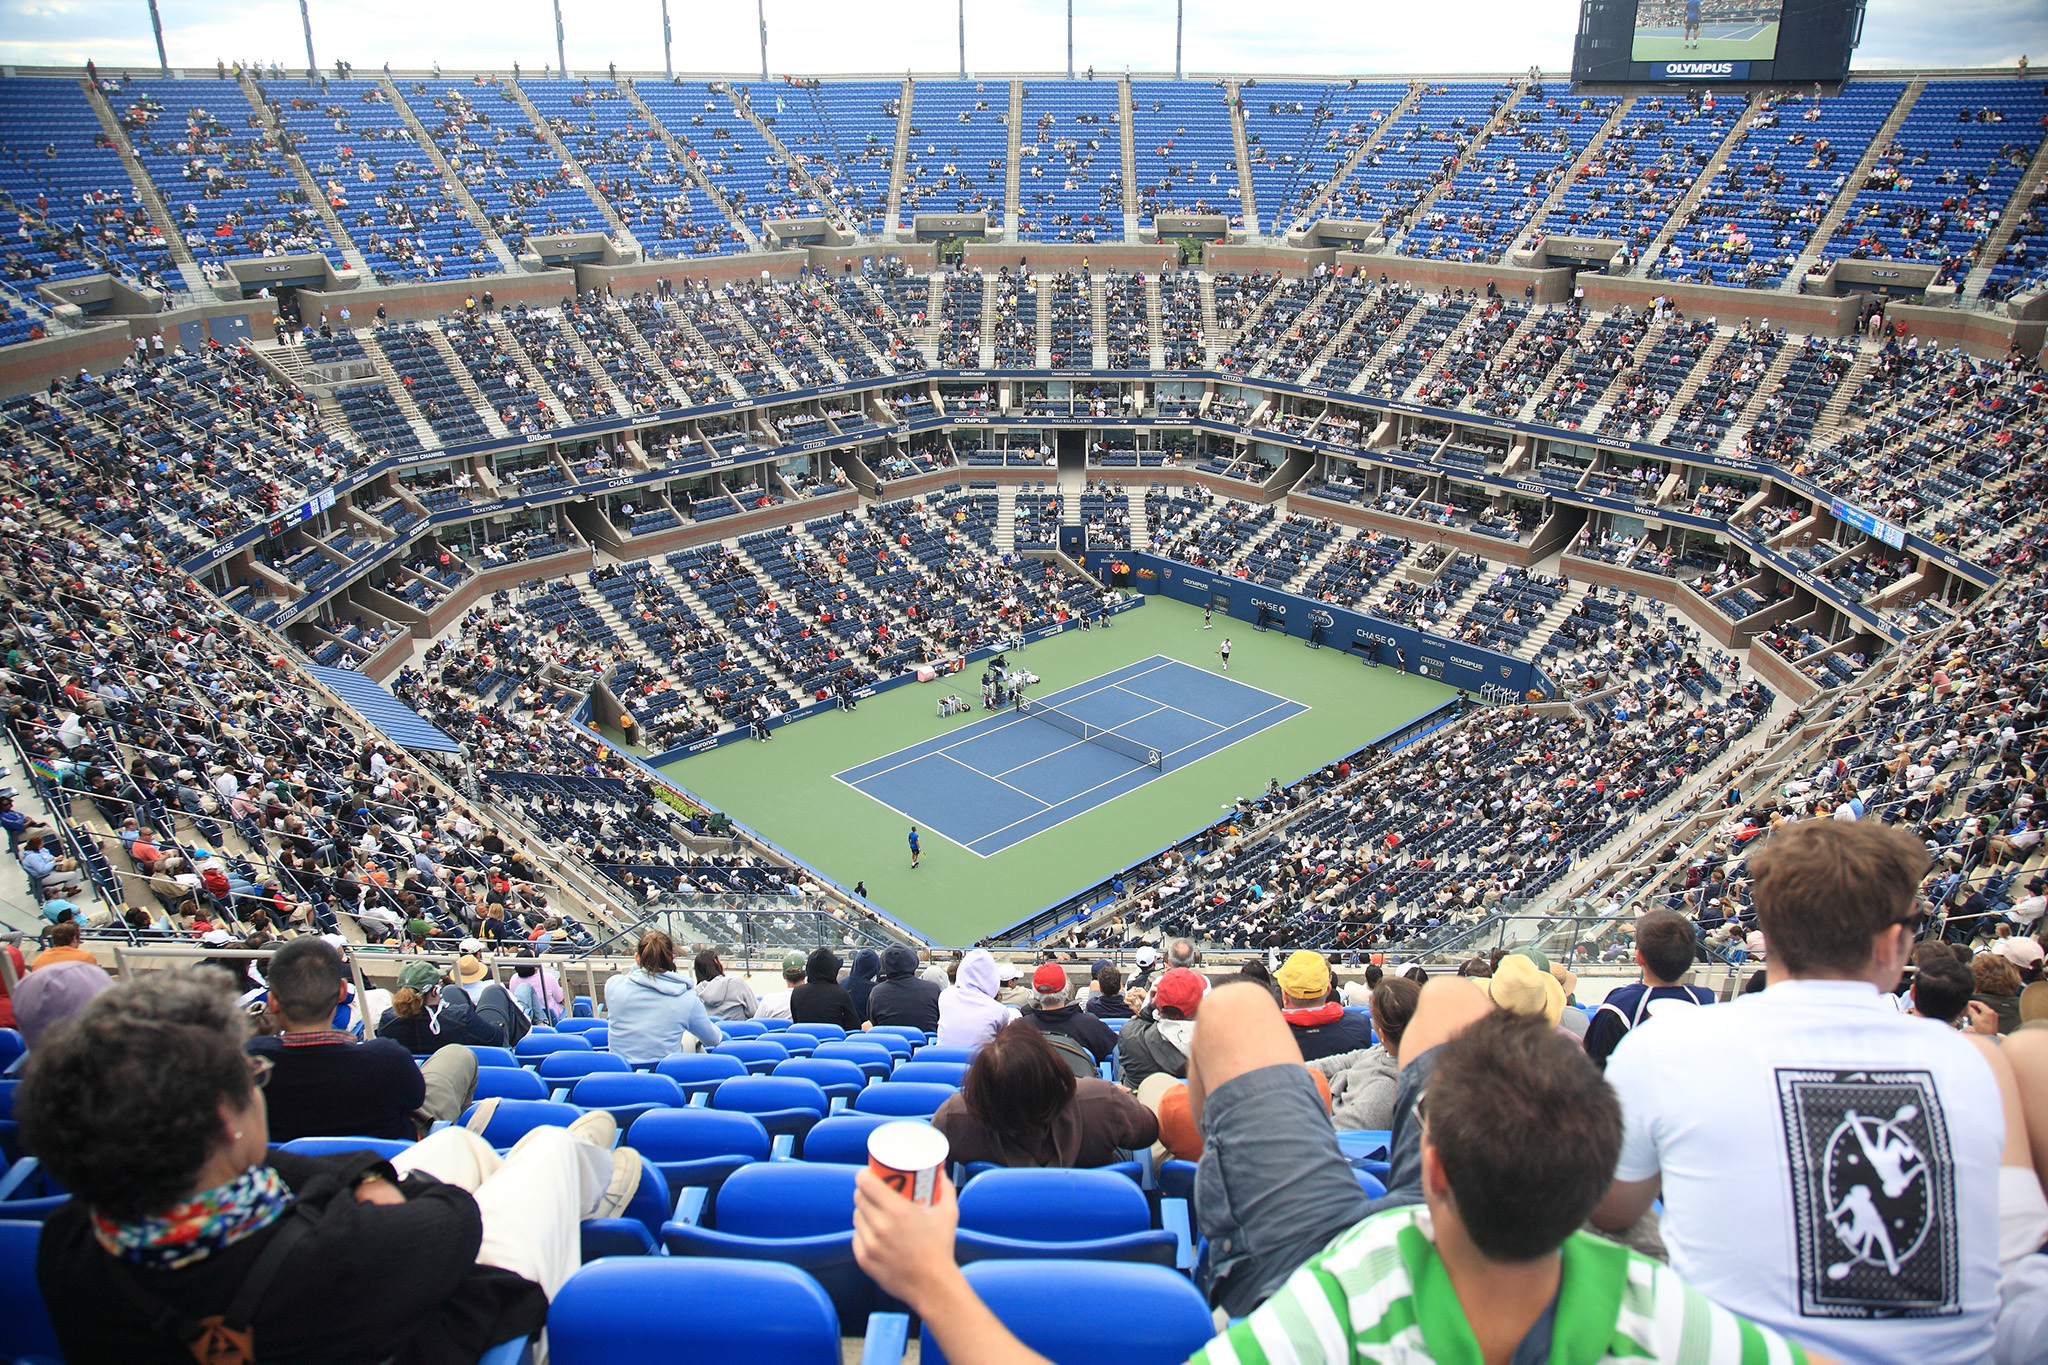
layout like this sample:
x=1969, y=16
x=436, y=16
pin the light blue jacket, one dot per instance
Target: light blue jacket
x=648, y=1015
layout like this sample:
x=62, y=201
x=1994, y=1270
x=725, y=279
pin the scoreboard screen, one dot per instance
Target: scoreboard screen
x=1715, y=40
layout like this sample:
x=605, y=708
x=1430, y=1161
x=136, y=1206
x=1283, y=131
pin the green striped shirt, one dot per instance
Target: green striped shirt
x=1379, y=1293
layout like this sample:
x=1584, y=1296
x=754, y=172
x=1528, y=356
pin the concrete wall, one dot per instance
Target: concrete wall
x=432, y=298
x=1553, y=285
x=989, y=256
x=1810, y=313
x=624, y=279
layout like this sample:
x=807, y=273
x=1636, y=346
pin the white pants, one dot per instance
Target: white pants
x=532, y=1200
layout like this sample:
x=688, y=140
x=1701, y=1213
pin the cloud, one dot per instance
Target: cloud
x=817, y=37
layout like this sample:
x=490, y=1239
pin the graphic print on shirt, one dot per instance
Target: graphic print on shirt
x=1873, y=1194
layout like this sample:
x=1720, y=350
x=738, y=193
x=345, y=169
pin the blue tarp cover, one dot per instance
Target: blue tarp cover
x=405, y=726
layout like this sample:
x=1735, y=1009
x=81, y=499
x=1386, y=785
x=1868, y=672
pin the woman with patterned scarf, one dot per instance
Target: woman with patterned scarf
x=188, y=1236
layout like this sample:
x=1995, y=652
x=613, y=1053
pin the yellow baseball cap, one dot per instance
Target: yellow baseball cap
x=1304, y=976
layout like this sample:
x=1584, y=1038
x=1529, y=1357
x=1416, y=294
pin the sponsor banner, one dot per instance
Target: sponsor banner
x=1699, y=71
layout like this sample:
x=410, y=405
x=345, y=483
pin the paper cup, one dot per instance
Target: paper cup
x=909, y=1156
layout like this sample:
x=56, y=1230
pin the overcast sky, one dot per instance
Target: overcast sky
x=827, y=36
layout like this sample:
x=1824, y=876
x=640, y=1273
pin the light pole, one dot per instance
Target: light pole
x=1070, y=39
x=156, y=21
x=668, y=64
x=1177, y=4
x=561, y=51
x=761, y=11
x=306, y=22
x=963, y=39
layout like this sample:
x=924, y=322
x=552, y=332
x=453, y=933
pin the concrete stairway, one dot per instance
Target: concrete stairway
x=621, y=232
x=2008, y=222
x=1127, y=138
x=1571, y=175
x=1316, y=206
x=1691, y=386
x=457, y=190
x=159, y=212
x=687, y=159
x=1683, y=209
x=308, y=186
x=1879, y=145
x=1013, y=177
x=901, y=156
x=1247, y=199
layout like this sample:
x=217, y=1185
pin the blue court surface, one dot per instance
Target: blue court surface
x=1002, y=779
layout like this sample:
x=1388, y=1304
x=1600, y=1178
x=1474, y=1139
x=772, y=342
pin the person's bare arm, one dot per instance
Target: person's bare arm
x=1625, y=1202
x=1447, y=1005
x=907, y=1249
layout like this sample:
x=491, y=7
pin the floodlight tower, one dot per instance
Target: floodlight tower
x=668, y=64
x=561, y=48
x=1177, y=6
x=963, y=39
x=156, y=21
x=761, y=12
x=305, y=22
x=1070, y=39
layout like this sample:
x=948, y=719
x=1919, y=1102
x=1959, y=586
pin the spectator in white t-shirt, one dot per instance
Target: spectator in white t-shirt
x=775, y=1004
x=1830, y=1167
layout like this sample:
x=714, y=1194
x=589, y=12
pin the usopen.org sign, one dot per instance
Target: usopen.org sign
x=1700, y=71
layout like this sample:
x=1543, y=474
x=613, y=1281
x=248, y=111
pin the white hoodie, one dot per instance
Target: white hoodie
x=968, y=1013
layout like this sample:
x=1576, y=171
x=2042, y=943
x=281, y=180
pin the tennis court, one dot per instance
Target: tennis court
x=998, y=781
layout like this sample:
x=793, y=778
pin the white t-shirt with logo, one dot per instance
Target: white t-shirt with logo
x=1830, y=1167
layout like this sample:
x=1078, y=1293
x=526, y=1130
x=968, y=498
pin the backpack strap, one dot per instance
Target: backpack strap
x=227, y=1338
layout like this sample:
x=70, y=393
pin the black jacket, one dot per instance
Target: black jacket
x=1075, y=1023
x=369, y=1282
x=821, y=999
x=900, y=995
x=452, y=1021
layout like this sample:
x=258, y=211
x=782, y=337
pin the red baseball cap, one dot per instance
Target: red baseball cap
x=1181, y=989
x=1049, y=977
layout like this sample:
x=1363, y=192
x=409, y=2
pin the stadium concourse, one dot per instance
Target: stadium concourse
x=409, y=478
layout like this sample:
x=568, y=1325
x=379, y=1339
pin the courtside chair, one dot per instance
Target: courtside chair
x=698, y=1073
x=794, y=1212
x=697, y=1149
x=876, y=1060
x=787, y=1106
x=758, y=1055
x=536, y=1045
x=26, y=1337
x=1099, y=1215
x=906, y=1100
x=843, y=1138
x=642, y=1310
x=931, y=1073
x=1073, y=1312
x=509, y=1083
x=840, y=1081
x=627, y=1097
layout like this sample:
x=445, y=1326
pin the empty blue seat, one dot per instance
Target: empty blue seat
x=824, y=1033
x=910, y=1032
x=1036, y=1213
x=493, y=1056
x=843, y=1138
x=330, y=1146
x=25, y=1332
x=931, y=1073
x=635, y=1311
x=509, y=1083
x=11, y=1047
x=839, y=1080
x=784, y=1104
x=698, y=1073
x=28, y=1194
x=897, y=1045
x=538, y=1044
x=933, y=1052
x=758, y=1055
x=877, y=1061
x=789, y=1211
x=773, y=1025
x=513, y=1119
x=563, y=1069
x=575, y=1025
x=905, y=1100
x=627, y=1097
x=699, y=1147
x=741, y=1028
x=1084, y=1310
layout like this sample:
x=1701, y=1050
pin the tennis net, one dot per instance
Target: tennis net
x=1093, y=734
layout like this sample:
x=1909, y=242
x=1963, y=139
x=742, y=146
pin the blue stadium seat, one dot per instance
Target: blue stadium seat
x=28, y=1194
x=493, y=1056
x=1087, y=1310
x=843, y=1138
x=11, y=1047
x=907, y=1100
x=627, y=1097
x=824, y=1033
x=774, y=1025
x=876, y=1060
x=698, y=1073
x=916, y=1036
x=538, y=1044
x=642, y=1311
x=839, y=1080
x=785, y=1105
x=699, y=1148
x=513, y=1119
x=758, y=1055
x=509, y=1083
x=560, y=1070
x=1051, y=1213
x=329, y=1146
x=26, y=1337
x=741, y=1028
x=933, y=1052
x=603, y=1237
x=576, y=1025
x=933, y=1073
x=790, y=1211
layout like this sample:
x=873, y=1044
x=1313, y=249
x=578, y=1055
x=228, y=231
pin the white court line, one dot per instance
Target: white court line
x=1046, y=805
x=929, y=829
x=1075, y=816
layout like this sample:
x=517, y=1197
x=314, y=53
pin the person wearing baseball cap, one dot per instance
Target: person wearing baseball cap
x=54, y=996
x=1322, y=1027
x=775, y=1004
x=1057, y=1016
x=1155, y=1043
x=425, y=1016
